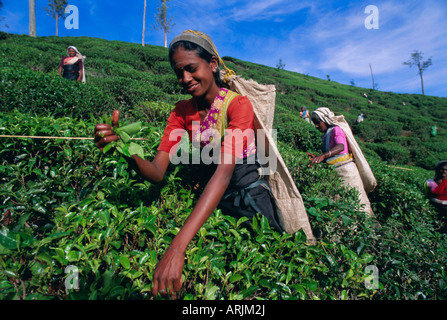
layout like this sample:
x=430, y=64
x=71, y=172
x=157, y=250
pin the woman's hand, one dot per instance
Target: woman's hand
x=167, y=278
x=316, y=159
x=104, y=133
x=310, y=155
x=339, y=147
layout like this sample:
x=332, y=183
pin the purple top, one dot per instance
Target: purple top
x=338, y=136
x=431, y=185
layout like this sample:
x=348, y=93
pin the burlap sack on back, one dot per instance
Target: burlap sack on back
x=288, y=200
x=368, y=178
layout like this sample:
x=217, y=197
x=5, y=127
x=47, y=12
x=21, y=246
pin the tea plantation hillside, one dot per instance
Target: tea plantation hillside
x=393, y=132
x=71, y=215
x=396, y=127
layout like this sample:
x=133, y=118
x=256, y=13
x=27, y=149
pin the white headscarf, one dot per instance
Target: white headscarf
x=81, y=57
x=326, y=115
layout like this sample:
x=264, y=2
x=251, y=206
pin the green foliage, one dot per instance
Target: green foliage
x=391, y=152
x=124, y=145
x=297, y=132
x=378, y=131
x=153, y=111
x=115, y=79
x=66, y=204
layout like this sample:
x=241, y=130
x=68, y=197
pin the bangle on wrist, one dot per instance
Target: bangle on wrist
x=330, y=154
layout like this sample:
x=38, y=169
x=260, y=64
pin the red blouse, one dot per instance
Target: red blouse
x=240, y=116
x=78, y=63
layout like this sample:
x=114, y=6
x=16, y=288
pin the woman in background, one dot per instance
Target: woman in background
x=436, y=188
x=338, y=152
x=305, y=114
x=72, y=66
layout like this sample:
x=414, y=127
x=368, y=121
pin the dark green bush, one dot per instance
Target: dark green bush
x=378, y=131
x=391, y=152
x=40, y=93
x=296, y=132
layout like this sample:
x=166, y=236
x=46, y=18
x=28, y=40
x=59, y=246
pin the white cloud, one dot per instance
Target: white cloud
x=267, y=9
x=387, y=48
x=335, y=41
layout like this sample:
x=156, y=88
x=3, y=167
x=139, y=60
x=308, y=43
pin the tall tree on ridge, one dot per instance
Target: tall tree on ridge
x=144, y=22
x=56, y=10
x=162, y=22
x=417, y=60
x=32, y=17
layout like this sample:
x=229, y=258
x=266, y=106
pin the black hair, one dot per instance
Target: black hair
x=438, y=168
x=202, y=53
x=314, y=117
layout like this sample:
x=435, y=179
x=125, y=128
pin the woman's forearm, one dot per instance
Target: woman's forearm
x=322, y=157
x=155, y=170
x=334, y=151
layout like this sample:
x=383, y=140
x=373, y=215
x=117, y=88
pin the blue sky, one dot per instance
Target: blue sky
x=314, y=37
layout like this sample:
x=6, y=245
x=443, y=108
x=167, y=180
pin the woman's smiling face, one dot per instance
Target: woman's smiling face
x=195, y=74
x=71, y=52
x=442, y=171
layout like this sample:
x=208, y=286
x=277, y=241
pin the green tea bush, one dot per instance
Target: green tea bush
x=115, y=79
x=377, y=131
x=391, y=152
x=153, y=112
x=40, y=93
x=68, y=205
x=408, y=219
x=296, y=132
